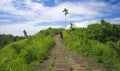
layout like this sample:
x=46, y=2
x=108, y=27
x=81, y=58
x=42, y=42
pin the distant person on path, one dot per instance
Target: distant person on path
x=61, y=36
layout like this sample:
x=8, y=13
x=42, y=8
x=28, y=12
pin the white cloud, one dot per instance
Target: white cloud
x=114, y=20
x=38, y=13
x=30, y=27
x=84, y=23
x=3, y=20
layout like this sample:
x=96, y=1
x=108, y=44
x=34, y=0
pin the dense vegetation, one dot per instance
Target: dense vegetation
x=6, y=39
x=26, y=54
x=100, y=42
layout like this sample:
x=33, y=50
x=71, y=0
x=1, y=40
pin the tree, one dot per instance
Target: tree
x=102, y=21
x=65, y=12
x=72, y=26
x=6, y=39
x=25, y=33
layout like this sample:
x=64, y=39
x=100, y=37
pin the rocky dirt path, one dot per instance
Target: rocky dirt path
x=62, y=59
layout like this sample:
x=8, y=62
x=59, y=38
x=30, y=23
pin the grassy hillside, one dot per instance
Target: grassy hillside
x=100, y=42
x=25, y=55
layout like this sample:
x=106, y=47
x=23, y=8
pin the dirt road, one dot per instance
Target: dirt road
x=62, y=59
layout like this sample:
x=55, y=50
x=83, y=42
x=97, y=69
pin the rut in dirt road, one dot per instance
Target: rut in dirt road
x=62, y=59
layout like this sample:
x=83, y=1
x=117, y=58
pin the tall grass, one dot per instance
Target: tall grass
x=25, y=55
x=107, y=54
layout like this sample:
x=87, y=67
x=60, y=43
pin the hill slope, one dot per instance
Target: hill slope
x=25, y=55
x=100, y=42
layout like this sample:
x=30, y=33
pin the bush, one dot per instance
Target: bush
x=97, y=42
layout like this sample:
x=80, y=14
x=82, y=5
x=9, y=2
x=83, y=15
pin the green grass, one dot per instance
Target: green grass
x=107, y=54
x=25, y=55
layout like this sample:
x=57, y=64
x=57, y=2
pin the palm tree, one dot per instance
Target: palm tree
x=66, y=12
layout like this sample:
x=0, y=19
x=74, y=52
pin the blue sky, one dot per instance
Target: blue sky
x=35, y=15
